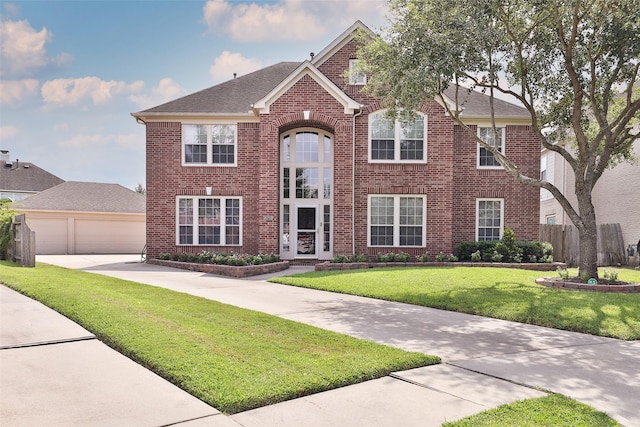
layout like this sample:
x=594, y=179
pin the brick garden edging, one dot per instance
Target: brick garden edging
x=561, y=284
x=540, y=266
x=224, y=270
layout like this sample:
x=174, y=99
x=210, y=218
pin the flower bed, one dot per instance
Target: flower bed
x=224, y=270
x=553, y=282
x=328, y=266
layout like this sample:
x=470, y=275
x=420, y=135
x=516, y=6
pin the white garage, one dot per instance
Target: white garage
x=86, y=218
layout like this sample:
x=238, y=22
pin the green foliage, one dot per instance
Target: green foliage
x=231, y=358
x=6, y=218
x=206, y=257
x=423, y=258
x=611, y=275
x=563, y=273
x=572, y=65
x=520, y=251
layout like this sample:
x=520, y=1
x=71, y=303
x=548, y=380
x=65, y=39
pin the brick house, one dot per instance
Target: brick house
x=296, y=160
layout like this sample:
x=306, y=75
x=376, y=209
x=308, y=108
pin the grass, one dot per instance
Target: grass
x=553, y=410
x=501, y=293
x=234, y=359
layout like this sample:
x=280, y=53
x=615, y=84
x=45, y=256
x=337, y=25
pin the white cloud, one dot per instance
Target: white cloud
x=8, y=132
x=225, y=65
x=95, y=140
x=291, y=20
x=13, y=92
x=11, y=9
x=166, y=90
x=287, y=20
x=68, y=92
x=23, y=50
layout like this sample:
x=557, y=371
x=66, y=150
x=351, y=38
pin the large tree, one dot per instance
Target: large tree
x=572, y=64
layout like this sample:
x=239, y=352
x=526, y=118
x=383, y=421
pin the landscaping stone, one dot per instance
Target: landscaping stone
x=224, y=270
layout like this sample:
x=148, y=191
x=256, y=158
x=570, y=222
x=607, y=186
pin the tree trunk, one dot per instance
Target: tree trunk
x=588, y=233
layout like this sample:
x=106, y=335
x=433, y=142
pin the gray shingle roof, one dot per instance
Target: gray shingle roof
x=233, y=96
x=24, y=176
x=86, y=197
x=476, y=105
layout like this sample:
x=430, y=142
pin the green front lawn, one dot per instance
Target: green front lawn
x=501, y=293
x=232, y=358
x=553, y=410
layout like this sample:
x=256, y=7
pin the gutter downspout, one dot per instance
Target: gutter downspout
x=353, y=182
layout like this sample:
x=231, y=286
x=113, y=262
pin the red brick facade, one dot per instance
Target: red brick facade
x=449, y=179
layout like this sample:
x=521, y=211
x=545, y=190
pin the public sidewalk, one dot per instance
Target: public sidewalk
x=487, y=362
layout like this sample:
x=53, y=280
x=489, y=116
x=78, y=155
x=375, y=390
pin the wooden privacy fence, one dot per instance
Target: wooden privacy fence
x=566, y=243
x=23, y=250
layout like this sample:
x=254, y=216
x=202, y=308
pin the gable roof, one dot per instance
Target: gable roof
x=253, y=93
x=307, y=69
x=476, y=105
x=339, y=42
x=25, y=176
x=235, y=96
x=86, y=197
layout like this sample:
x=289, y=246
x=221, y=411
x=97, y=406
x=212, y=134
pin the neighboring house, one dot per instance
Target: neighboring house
x=86, y=218
x=296, y=160
x=22, y=179
x=616, y=195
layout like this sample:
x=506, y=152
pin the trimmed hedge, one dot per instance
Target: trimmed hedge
x=524, y=251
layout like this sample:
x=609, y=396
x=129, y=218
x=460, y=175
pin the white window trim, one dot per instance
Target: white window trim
x=209, y=146
x=396, y=145
x=502, y=147
x=223, y=219
x=356, y=79
x=396, y=220
x=501, y=200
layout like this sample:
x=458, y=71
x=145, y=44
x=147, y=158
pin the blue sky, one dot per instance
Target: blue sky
x=71, y=72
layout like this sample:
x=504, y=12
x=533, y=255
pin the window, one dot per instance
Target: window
x=355, y=77
x=550, y=219
x=209, y=145
x=396, y=220
x=209, y=221
x=486, y=159
x=396, y=141
x=546, y=174
x=489, y=223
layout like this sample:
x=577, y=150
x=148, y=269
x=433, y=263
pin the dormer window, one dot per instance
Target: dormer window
x=355, y=77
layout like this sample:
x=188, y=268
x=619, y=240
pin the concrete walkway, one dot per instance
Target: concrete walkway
x=487, y=362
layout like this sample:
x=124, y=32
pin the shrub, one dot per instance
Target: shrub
x=563, y=273
x=359, y=258
x=611, y=275
x=496, y=256
x=6, y=219
x=453, y=258
x=441, y=257
x=340, y=259
x=401, y=257
x=423, y=258
x=476, y=256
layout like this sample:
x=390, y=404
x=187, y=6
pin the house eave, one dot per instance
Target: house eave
x=145, y=117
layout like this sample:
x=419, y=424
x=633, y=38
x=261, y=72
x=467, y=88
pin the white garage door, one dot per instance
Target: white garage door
x=108, y=237
x=51, y=235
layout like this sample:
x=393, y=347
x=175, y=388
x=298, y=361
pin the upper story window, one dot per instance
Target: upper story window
x=397, y=141
x=486, y=159
x=355, y=77
x=214, y=145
